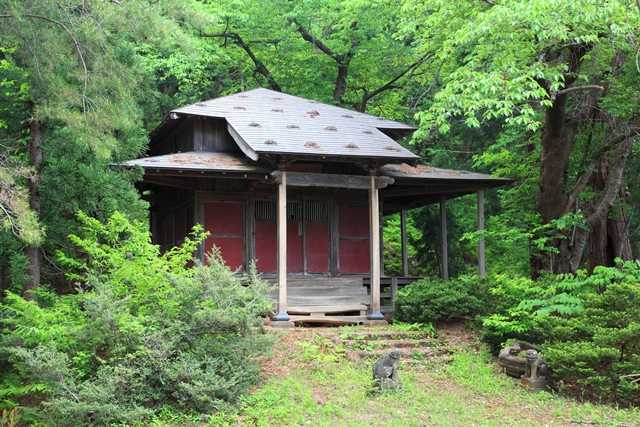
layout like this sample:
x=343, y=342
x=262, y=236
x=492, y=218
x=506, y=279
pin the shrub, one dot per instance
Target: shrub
x=431, y=300
x=144, y=332
x=587, y=325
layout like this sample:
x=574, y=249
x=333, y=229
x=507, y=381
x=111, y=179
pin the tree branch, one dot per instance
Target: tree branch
x=306, y=35
x=75, y=43
x=578, y=88
x=368, y=95
x=342, y=59
x=614, y=180
x=258, y=64
x=583, y=180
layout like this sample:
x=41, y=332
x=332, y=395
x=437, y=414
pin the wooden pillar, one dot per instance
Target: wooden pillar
x=374, y=249
x=381, y=222
x=403, y=234
x=281, y=216
x=482, y=267
x=444, y=248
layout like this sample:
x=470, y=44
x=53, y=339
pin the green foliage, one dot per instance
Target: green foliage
x=588, y=326
x=393, y=246
x=144, y=332
x=430, y=300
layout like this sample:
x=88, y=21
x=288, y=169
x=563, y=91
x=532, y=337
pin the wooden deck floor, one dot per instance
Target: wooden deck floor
x=326, y=300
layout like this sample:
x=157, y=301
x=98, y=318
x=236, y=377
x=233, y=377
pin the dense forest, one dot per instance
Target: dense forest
x=543, y=92
x=546, y=92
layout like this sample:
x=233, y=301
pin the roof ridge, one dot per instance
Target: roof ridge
x=301, y=98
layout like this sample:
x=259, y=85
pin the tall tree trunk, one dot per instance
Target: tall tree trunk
x=33, y=252
x=552, y=196
x=341, y=82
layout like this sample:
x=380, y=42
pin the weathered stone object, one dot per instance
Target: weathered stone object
x=385, y=371
x=529, y=367
x=536, y=376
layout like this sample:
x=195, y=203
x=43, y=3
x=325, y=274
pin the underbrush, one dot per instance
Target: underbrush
x=588, y=325
x=144, y=335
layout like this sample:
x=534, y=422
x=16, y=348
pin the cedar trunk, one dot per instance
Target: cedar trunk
x=33, y=252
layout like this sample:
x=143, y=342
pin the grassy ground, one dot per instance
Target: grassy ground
x=309, y=381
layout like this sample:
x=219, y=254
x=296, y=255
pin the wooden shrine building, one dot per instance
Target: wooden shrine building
x=298, y=186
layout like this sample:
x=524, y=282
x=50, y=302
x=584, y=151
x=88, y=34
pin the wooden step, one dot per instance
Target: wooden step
x=329, y=320
x=326, y=309
x=324, y=281
x=324, y=291
x=326, y=300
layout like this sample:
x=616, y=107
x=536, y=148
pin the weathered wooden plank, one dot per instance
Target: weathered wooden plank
x=394, y=290
x=326, y=309
x=335, y=320
x=374, y=252
x=311, y=179
x=326, y=300
x=282, y=248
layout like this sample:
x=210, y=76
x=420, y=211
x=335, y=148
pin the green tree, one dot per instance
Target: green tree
x=562, y=74
x=95, y=77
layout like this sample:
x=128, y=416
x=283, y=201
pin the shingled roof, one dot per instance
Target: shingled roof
x=269, y=122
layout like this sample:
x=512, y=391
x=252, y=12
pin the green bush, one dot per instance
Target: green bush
x=430, y=300
x=145, y=332
x=587, y=325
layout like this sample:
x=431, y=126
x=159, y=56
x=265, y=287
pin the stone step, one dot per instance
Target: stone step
x=389, y=344
x=406, y=354
x=384, y=335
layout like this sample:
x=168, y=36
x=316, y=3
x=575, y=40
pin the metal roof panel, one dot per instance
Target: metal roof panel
x=197, y=161
x=278, y=123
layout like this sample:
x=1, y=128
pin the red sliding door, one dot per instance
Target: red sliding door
x=224, y=221
x=353, y=229
x=307, y=237
x=316, y=229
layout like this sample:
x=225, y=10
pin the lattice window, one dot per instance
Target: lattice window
x=265, y=210
x=316, y=211
x=294, y=211
x=310, y=211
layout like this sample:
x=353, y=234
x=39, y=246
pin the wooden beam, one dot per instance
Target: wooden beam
x=242, y=144
x=374, y=249
x=397, y=191
x=397, y=204
x=403, y=234
x=354, y=182
x=482, y=267
x=282, y=249
x=444, y=248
